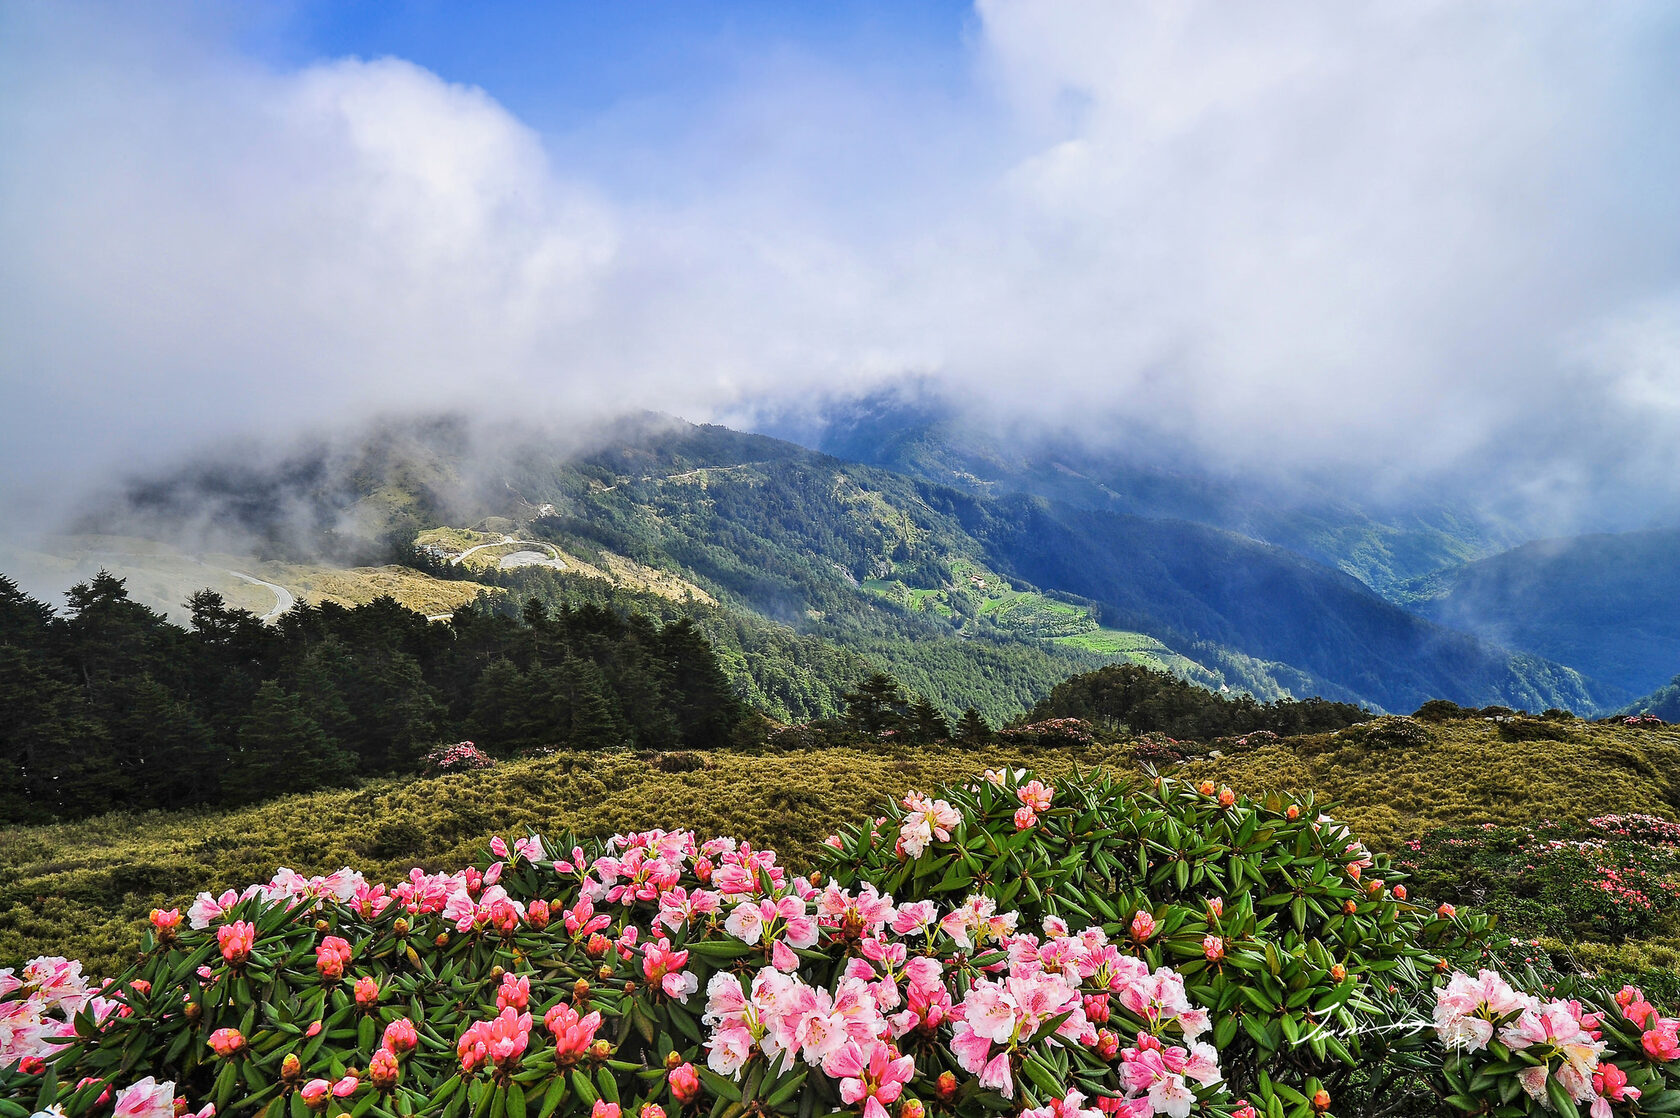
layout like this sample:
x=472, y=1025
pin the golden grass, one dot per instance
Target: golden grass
x=1468, y=774
x=83, y=888
x=357, y=586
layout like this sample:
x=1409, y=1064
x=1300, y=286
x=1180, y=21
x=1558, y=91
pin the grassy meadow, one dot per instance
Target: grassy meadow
x=83, y=889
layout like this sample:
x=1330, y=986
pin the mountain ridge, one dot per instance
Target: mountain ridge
x=860, y=554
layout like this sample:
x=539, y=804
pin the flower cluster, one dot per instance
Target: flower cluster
x=39, y=1004
x=927, y=820
x=463, y=756
x=1058, y=732
x=1555, y=1047
x=1007, y=946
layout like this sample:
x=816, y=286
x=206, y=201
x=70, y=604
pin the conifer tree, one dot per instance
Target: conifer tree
x=281, y=749
x=594, y=722
x=497, y=700
x=926, y=724
x=706, y=706
x=876, y=706
x=972, y=728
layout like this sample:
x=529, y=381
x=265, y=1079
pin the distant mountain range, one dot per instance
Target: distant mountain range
x=930, y=438
x=1606, y=604
x=935, y=558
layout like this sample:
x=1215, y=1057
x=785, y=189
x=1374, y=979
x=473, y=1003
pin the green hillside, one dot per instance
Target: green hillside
x=1664, y=702
x=930, y=439
x=878, y=563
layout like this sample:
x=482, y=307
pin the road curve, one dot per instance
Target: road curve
x=283, y=599
x=505, y=541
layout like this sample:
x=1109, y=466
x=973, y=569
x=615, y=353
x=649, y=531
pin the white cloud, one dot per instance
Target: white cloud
x=1369, y=236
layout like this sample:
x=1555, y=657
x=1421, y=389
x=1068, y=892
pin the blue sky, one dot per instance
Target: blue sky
x=1427, y=243
x=599, y=79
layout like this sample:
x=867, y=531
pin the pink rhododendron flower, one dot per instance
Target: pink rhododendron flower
x=1466, y=1008
x=331, y=957
x=383, y=1070
x=500, y=1041
x=927, y=820
x=1663, y=1042
x=146, y=1098
x=515, y=991
x=1610, y=1084
x=746, y=922
x=227, y=1042
x=915, y=917
x=206, y=909
x=1035, y=795
x=663, y=965
x=684, y=1082
x=1072, y=1105
x=573, y=1033
x=874, y=1076
x=782, y=957
x=236, y=941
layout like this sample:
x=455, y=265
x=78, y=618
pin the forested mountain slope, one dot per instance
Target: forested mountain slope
x=936, y=441
x=902, y=570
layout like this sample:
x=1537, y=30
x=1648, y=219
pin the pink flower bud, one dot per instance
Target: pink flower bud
x=315, y=1094
x=685, y=1083
x=383, y=1071
x=227, y=1042
x=400, y=1036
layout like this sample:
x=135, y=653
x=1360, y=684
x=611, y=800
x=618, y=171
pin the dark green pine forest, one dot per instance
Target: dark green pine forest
x=111, y=706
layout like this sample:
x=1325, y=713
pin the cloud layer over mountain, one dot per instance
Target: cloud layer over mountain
x=1398, y=241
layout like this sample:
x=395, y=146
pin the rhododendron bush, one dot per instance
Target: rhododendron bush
x=1008, y=947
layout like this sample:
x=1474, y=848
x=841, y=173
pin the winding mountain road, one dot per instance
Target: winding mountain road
x=283, y=599
x=553, y=551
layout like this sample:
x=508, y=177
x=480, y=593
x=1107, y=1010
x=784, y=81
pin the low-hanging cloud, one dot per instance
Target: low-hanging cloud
x=1392, y=240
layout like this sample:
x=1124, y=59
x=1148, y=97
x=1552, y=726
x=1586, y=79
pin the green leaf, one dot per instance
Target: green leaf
x=717, y=1084
x=552, y=1097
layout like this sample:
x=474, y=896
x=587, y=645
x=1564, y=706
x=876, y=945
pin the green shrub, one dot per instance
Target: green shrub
x=1391, y=731
x=1289, y=930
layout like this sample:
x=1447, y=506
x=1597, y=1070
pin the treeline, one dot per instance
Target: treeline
x=112, y=706
x=1664, y=702
x=800, y=676
x=1142, y=700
